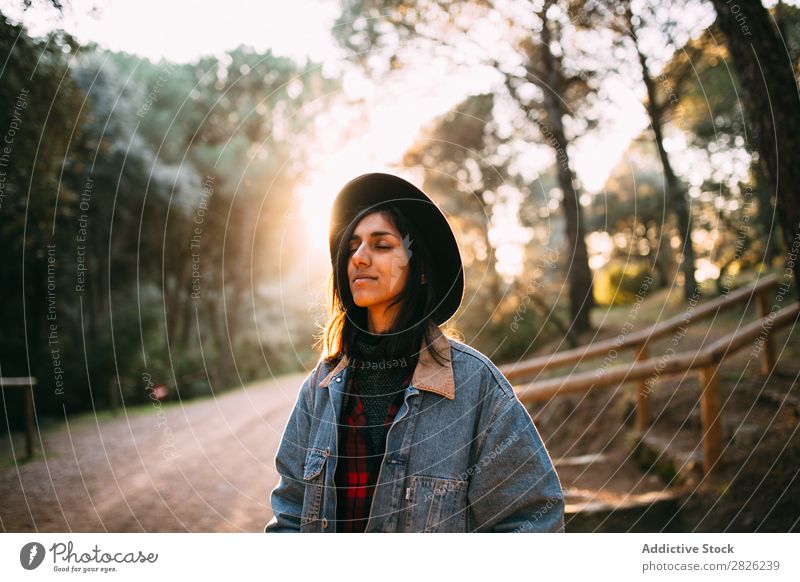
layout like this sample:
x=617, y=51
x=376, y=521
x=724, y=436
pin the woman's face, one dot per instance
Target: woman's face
x=377, y=266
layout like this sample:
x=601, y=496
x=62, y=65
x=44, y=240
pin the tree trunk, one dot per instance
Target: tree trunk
x=661, y=261
x=495, y=293
x=581, y=297
x=675, y=194
x=771, y=101
x=769, y=230
x=579, y=275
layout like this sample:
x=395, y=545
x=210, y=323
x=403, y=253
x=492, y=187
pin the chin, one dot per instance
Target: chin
x=362, y=301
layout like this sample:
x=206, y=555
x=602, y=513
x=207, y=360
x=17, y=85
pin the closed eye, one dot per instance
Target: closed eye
x=352, y=250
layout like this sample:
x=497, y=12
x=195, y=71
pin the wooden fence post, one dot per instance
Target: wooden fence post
x=767, y=356
x=29, y=422
x=710, y=415
x=642, y=402
x=26, y=384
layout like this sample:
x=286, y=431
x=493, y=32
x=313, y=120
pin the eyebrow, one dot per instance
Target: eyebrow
x=375, y=234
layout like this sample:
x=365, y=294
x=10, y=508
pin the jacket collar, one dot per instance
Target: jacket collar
x=429, y=375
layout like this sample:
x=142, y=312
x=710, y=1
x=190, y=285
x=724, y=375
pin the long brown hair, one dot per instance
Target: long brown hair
x=413, y=323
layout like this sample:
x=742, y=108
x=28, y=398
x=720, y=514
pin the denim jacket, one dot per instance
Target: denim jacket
x=462, y=454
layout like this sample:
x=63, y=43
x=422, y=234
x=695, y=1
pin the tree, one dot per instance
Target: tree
x=632, y=212
x=39, y=107
x=657, y=104
x=455, y=152
x=100, y=196
x=708, y=112
x=549, y=85
x=770, y=97
x=462, y=169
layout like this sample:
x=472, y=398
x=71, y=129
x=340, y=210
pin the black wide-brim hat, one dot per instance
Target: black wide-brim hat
x=369, y=190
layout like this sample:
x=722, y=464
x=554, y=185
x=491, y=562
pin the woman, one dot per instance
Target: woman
x=401, y=428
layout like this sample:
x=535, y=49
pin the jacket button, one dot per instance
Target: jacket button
x=325, y=522
x=338, y=378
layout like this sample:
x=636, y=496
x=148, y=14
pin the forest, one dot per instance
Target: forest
x=154, y=216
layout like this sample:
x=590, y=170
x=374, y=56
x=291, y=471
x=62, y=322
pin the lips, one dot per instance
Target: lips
x=363, y=278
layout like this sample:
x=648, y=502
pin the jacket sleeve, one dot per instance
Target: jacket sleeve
x=287, y=496
x=514, y=486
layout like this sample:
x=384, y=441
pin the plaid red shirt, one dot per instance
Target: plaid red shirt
x=358, y=464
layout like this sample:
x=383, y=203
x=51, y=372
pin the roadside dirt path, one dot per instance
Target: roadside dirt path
x=206, y=466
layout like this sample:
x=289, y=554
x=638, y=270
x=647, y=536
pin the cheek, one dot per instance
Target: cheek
x=399, y=273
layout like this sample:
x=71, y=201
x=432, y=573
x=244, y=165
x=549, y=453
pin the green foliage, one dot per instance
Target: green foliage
x=462, y=170
x=133, y=172
x=618, y=283
x=39, y=112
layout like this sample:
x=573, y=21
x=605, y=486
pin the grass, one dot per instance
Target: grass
x=7, y=460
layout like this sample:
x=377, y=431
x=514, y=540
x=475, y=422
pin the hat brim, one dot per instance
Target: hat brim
x=369, y=190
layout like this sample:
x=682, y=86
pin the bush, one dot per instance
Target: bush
x=617, y=284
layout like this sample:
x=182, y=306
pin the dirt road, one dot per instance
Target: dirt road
x=205, y=466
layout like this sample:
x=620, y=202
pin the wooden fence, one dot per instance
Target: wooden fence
x=26, y=383
x=645, y=369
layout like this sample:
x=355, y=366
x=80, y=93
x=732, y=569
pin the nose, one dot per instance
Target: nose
x=361, y=255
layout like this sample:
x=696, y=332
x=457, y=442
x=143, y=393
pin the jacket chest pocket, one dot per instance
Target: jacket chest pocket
x=434, y=504
x=314, y=481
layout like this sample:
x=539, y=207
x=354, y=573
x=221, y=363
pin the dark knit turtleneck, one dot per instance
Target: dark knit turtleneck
x=380, y=380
